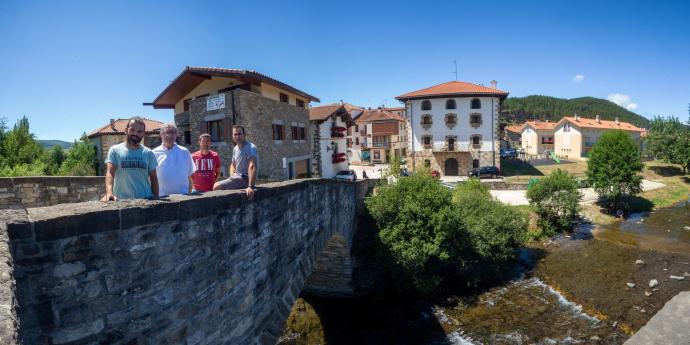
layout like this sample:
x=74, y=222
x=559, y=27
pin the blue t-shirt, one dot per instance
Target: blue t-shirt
x=133, y=169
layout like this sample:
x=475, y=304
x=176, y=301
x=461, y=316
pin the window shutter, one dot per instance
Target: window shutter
x=227, y=129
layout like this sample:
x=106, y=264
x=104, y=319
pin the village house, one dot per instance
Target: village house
x=575, y=136
x=331, y=123
x=275, y=115
x=512, y=137
x=454, y=126
x=377, y=136
x=114, y=133
x=537, y=137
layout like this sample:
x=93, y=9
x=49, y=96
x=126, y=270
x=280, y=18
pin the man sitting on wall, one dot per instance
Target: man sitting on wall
x=242, y=171
x=175, y=165
x=131, y=166
x=207, y=165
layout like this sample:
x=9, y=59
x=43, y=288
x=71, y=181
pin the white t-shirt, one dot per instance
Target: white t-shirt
x=174, y=168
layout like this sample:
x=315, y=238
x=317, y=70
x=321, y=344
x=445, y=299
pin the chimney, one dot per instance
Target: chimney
x=112, y=124
x=617, y=121
x=493, y=84
x=597, y=119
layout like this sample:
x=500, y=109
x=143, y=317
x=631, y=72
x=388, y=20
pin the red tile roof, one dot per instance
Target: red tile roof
x=324, y=111
x=378, y=115
x=602, y=124
x=453, y=88
x=192, y=76
x=546, y=125
x=118, y=127
x=514, y=128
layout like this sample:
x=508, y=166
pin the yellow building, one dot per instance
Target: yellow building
x=537, y=137
x=575, y=136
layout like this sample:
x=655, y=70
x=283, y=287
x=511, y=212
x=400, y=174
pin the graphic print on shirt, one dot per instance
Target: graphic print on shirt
x=133, y=162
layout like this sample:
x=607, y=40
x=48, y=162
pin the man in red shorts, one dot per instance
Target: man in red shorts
x=207, y=164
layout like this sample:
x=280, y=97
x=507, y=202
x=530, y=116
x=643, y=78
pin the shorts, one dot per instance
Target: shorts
x=234, y=182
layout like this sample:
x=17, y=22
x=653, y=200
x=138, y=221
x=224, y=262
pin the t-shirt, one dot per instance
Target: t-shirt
x=241, y=157
x=175, y=165
x=204, y=176
x=133, y=169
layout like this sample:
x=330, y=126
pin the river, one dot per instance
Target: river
x=591, y=287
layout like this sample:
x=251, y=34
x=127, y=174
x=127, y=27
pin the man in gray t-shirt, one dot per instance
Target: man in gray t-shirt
x=243, y=169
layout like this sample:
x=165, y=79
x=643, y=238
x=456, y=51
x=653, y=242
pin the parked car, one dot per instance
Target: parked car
x=346, y=175
x=487, y=171
x=509, y=153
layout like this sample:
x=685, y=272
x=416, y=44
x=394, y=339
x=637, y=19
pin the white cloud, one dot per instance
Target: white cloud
x=622, y=100
x=578, y=78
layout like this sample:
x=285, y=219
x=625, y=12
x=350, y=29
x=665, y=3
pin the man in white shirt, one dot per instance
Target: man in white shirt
x=175, y=164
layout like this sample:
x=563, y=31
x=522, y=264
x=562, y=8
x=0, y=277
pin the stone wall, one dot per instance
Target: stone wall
x=206, y=269
x=24, y=192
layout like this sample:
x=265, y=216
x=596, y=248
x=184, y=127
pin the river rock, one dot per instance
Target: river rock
x=647, y=293
x=630, y=285
x=677, y=277
x=686, y=274
x=653, y=283
x=639, y=262
x=594, y=338
x=686, y=227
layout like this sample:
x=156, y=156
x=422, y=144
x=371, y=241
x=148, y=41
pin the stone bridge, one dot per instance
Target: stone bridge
x=210, y=269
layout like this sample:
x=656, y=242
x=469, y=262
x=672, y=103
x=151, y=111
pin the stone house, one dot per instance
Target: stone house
x=512, y=136
x=378, y=135
x=575, y=136
x=212, y=100
x=330, y=143
x=537, y=137
x=113, y=133
x=453, y=126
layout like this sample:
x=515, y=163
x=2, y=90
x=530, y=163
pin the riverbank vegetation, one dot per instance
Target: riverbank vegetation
x=556, y=201
x=434, y=237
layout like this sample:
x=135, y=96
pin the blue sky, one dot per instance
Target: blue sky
x=70, y=65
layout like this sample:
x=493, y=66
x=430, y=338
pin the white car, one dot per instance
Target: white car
x=346, y=175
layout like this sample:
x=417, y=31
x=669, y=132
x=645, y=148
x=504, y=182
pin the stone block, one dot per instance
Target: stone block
x=85, y=218
x=142, y=212
x=75, y=333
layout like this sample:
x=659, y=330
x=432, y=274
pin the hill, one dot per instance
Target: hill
x=47, y=144
x=520, y=109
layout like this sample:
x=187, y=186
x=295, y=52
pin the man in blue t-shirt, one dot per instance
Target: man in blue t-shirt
x=131, y=166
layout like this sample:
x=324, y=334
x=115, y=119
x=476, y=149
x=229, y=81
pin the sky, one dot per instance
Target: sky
x=70, y=66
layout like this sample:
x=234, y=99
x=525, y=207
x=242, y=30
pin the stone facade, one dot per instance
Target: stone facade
x=24, y=192
x=257, y=114
x=209, y=269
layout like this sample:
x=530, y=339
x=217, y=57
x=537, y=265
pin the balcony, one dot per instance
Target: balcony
x=381, y=145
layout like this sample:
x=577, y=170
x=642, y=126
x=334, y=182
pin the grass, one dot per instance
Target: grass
x=517, y=172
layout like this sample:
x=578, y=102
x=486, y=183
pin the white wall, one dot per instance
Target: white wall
x=328, y=169
x=462, y=129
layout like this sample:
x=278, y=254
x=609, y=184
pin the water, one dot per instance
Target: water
x=575, y=293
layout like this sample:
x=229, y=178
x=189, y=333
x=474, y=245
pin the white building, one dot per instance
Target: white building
x=330, y=138
x=377, y=136
x=575, y=136
x=537, y=137
x=453, y=126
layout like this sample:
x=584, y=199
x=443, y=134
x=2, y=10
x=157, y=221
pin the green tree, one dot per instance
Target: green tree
x=435, y=236
x=53, y=159
x=19, y=145
x=669, y=140
x=556, y=201
x=81, y=159
x=613, y=167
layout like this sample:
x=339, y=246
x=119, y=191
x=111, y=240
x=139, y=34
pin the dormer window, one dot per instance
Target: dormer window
x=450, y=104
x=426, y=105
x=476, y=104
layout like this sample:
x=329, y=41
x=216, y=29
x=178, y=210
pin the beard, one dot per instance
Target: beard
x=133, y=139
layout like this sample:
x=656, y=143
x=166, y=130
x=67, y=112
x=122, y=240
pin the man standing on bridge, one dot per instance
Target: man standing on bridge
x=175, y=165
x=245, y=159
x=207, y=165
x=131, y=166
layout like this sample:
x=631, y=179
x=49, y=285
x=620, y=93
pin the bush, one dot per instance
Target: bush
x=613, y=167
x=555, y=199
x=434, y=236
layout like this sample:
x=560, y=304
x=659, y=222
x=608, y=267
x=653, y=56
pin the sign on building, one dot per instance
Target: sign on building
x=215, y=102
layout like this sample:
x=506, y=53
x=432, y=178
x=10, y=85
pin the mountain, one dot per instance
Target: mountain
x=47, y=144
x=520, y=109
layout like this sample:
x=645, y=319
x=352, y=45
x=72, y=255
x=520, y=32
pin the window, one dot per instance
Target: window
x=426, y=141
x=450, y=142
x=450, y=104
x=451, y=120
x=475, y=163
x=349, y=143
x=476, y=104
x=215, y=129
x=475, y=120
x=427, y=163
x=547, y=140
x=426, y=105
x=299, y=103
x=187, y=137
x=566, y=127
x=284, y=98
x=356, y=128
x=356, y=140
x=476, y=140
x=185, y=104
x=298, y=133
x=278, y=132
x=426, y=121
